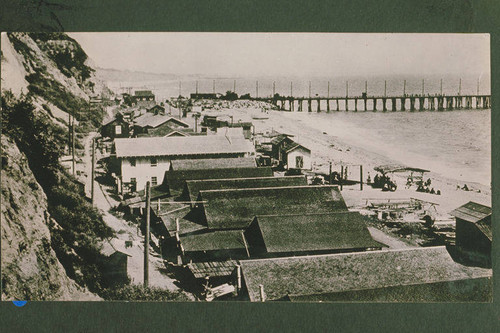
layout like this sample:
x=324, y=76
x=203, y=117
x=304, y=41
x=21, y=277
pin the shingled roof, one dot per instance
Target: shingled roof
x=236, y=208
x=334, y=273
x=312, y=232
x=213, y=163
x=215, y=240
x=143, y=93
x=153, y=120
x=213, y=268
x=175, y=179
x=475, y=213
x=181, y=146
x=192, y=188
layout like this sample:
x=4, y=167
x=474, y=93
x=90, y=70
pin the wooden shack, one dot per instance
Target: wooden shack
x=409, y=275
x=473, y=231
x=236, y=208
x=115, y=128
x=307, y=234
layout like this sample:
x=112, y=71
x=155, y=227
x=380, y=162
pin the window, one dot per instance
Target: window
x=118, y=129
x=154, y=181
x=132, y=162
x=133, y=180
x=154, y=161
x=299, y=162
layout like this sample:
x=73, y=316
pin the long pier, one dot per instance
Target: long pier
x=379, y=103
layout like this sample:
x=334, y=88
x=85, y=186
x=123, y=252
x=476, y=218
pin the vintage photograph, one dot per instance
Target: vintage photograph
x=257, y=167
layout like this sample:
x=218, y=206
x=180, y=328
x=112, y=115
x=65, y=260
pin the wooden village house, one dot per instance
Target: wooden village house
x=289, y=154
x=474, y=232
x=138, y=160
x=115, y=128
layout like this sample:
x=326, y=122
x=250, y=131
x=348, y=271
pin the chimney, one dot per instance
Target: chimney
x=238, y=277
x=262, y=294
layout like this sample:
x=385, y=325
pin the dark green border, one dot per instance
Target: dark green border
x=434, y=16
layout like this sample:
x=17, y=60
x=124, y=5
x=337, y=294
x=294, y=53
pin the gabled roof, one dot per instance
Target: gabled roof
x=314, y=232
x=236, y=208
x=333, y=273
x=117, y=119
x=472, y=212
x=290, y=146
x=112, y=246
x=154, y=120
x=166, y=131
x=175, y=179
x=179, y=146
x=214, y=240
x=280, y=138
x=192, y=188
x=212, y=268
x=213, y=163
x=143, y=93
x=475, y=213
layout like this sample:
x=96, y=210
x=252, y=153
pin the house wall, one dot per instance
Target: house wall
x=110, y=130
x=115, y=269
x=469, y=237
x=143, y=171
x=291, y=158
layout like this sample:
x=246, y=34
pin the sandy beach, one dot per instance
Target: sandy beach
x=343, y=146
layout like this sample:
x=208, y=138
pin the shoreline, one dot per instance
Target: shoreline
x=339, y=149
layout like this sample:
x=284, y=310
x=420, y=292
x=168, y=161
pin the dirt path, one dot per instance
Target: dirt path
x=125, y=231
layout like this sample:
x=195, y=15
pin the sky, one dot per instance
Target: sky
x=289, y=54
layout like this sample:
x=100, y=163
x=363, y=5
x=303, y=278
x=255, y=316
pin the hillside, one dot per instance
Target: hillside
x=50, y=234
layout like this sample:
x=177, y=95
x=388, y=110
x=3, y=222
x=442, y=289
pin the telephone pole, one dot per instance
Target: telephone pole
x=328, y=93
x=423, y=87
x=385, y=87
x=92, y=173
x=146, y=237
x=73, y=146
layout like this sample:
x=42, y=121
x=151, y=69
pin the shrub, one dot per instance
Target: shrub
x=139, y=293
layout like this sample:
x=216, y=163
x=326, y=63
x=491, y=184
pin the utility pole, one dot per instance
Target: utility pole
x=441, y=87
x=69, y=133
x=385, y=87
x=146, y=237
x=478, y=86
x=196, y=87
x=361, y=177
x=328, y=94
x=73, y=146
x=346, y=88
x=423, y=87
x=404, y=88
x=460, y=87
x=213, y=86
x=92, y=173
x=366, y=88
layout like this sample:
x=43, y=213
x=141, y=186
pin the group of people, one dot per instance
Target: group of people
x=426, y=187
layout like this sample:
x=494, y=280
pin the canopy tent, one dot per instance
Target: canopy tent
x=391, y=168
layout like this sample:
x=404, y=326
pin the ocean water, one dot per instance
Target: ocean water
x=456, y=144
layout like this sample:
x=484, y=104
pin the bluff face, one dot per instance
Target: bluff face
x=52, y=71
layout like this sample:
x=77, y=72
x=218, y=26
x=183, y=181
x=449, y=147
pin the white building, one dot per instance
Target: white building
x=146, y=159
x=297, y=156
